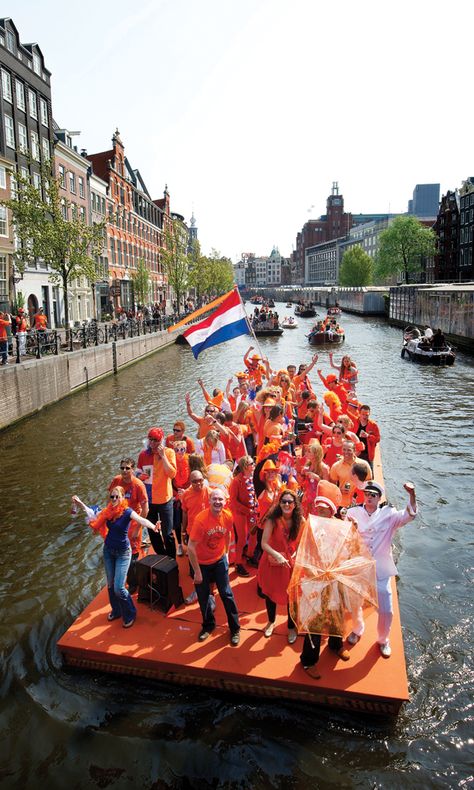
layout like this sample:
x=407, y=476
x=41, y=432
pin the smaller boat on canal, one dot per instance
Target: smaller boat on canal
x=336, y=310
x=425, y=350
x=289, y=322
x=267, y=329
x=305, y=310
x=327, y=337
x=289, y=305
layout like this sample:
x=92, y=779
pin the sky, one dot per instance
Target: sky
x=249, y=110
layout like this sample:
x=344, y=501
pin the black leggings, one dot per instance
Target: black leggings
x=271, y=612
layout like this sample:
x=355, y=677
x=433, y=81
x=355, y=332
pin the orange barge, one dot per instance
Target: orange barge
x=165, y=647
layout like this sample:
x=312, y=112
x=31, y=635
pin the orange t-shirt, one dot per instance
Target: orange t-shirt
x=194, y=502
x=162, y=487
x=171, y=439
x=204, y=427
x=212, y=535
x=3, y=329
x=41, y=321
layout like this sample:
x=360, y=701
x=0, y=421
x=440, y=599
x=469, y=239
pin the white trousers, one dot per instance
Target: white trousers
x=385, y=610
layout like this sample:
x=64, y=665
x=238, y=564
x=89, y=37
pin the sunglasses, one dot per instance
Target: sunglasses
x=201, y=480
x=180, y=449
x=177, y=430
x=125, y=468
x=287, y=501
x=114, y=496
x=372, y=494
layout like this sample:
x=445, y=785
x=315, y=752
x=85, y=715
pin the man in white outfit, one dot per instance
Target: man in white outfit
x=377, y=526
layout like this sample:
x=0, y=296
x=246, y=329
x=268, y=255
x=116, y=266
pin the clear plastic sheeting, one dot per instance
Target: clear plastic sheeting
x=333, y=574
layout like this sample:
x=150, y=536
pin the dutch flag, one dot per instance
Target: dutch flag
x=228, y=320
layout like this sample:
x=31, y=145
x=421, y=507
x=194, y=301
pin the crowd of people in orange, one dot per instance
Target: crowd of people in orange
x=267, y=453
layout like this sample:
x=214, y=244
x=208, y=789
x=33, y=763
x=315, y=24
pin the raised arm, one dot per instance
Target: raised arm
x=207, y=397
x=143, y=521
x=332, y=363
x=193, y=416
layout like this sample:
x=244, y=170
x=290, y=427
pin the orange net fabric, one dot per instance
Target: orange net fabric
x=333, y=574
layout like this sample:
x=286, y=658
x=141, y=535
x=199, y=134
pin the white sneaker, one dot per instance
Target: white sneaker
x=179, y=551
x=292, y=636
x=386, y=650
x=269, y=630
x=192, y=597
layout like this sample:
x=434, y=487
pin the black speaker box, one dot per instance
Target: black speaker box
x=158, y=582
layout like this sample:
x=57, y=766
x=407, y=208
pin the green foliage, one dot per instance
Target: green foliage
x=356, y=268
x=175, y=259
x=403, y=247
x=220, y=274
x=43, y=228
x=198, y=270
x=141, y=282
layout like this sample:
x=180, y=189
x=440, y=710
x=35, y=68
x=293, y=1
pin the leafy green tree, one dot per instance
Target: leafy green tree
x=199, y=270
x=141, y=282
x=175, y=258
x=47, y=228
x=403, y=247
x=220, y=274
x=356, y=268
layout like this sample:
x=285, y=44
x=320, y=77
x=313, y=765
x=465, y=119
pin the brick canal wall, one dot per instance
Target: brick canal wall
x=28, y=387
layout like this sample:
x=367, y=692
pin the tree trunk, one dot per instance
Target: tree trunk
x=66, y=306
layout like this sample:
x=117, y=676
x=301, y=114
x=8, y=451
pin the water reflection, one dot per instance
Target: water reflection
x=68, y=727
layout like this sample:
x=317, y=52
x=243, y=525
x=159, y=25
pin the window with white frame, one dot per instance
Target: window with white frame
x=72, y=182
x=6, y=86
x=46, y=152
x=9, y=132
x=37, y=181
x=20, y=95
x=83, y=214
x=22, y=138
x=62, y=176
x=36, y=63
x=3, y=274
x=35, y=148
x=81, y=186
x=32, y=104
x=44, y=112
x=25, y=173
x=3, y=221
x=11, y=42
x=3, y=177
x=63, y=208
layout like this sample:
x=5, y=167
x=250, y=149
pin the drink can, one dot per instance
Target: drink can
x=74, y=509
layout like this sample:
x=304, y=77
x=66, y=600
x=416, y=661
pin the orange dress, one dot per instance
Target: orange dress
x=274, y=579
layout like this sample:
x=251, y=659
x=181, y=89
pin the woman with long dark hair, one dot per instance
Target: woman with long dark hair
x=281, y=533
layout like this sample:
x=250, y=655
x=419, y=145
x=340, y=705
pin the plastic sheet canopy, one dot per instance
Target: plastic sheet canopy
x=333, y=574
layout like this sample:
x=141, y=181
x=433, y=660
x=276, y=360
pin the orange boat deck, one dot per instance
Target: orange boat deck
x=166, y=648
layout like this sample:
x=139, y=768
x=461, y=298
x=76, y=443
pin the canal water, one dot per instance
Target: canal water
x=79, y=729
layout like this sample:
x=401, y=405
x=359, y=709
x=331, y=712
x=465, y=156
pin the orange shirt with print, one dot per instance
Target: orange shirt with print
x=194, y=502
x=162, y=487
x=212, y=535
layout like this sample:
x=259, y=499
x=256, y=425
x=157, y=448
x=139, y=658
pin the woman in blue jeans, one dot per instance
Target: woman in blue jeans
x=113, y=523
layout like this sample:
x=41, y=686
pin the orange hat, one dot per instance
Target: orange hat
x=20, y=310
x=268, y=466
x=241, y=375
x=331, y=377
x=269, y=402
x=255, y=356
x=328, y=494
x=156, y=433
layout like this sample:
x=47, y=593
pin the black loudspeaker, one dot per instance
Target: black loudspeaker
x=158, y=582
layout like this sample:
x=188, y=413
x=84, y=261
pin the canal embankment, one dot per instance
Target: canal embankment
x=28, y=387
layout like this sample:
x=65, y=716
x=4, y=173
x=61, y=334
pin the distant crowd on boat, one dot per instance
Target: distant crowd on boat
x=271, y=468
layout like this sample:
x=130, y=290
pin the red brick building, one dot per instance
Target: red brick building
x=332, y=225
x=135, y=225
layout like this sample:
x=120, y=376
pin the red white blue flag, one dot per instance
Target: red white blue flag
x=228, y=320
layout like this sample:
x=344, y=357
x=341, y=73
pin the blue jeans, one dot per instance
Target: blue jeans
x=218, y=572
x=4, y=351
x=116, y=566
x=166, y=545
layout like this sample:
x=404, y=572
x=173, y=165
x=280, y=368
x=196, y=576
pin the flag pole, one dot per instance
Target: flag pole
x=250, y=326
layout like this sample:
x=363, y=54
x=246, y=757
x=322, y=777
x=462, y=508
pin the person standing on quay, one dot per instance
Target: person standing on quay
x=377, y=525
x=4, y=323
x=209, y=539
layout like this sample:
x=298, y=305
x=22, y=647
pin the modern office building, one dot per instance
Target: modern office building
x=425, y=201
